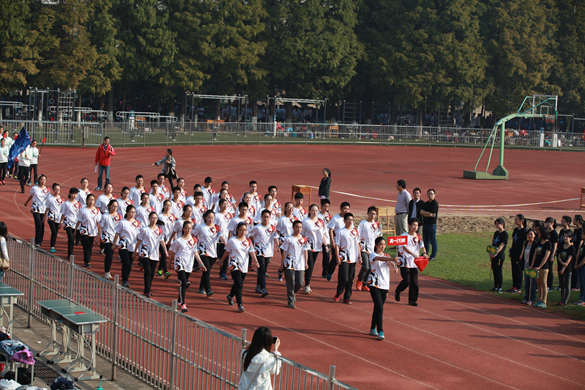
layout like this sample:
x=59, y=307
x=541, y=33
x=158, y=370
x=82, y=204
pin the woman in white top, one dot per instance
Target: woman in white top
x=4, y=154
x=237, y=250
x=258, y=363
x=104, y=199
x=156, y=197
x=69, y=212
x=314, y=229
x=222, y=219
x=369, y=230
x=33, y=155
x=124, y=201
x=144, y=210
x=408, y=269
x=208, y=235
x=150, y=241
x=23, y=168
x=126, y=232
x=185, y=217
x=379, y=281
x=39, y=194
x=268, y=205
x=264, y=237
x=54, y=203
x=87, y=224
x=182, y=250
x=284, y=228
x=3, y=246
x=168, y=222
x=107, y=232
x=84, y=191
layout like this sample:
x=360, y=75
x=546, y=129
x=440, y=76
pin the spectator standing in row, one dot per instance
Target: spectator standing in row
x=429, y=211
x=402, y=201
x=102, y=158
x=415, y=206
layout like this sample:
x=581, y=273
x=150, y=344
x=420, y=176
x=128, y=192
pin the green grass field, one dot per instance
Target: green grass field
x=462, y=259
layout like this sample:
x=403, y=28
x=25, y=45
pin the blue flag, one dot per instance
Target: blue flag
x=21, y=142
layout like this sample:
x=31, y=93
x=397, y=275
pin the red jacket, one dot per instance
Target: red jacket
x=102, y=157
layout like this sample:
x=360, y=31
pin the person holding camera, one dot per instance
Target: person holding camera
x=258, y=362
x=169, y=166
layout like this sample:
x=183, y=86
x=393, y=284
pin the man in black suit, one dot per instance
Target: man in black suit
x=414, y=207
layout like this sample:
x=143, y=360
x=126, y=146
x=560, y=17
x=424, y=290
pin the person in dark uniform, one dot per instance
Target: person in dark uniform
x=499, y=241
x=415, y=206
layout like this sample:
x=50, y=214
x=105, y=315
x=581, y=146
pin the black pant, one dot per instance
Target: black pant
x=326, y=257
x=39, y=228
x=162, y=264
x=127, y=261
x=497, y=264
x=565, y=283
x=33, y=173
x=109, y=256
x=170, y=182
x=13, y=170
x=550, y=278
x=236, y=291
x=379, y=298
x=70, y=240
x=574, y=283
x=263, y=263
x=205, y=283
x=311, y=260
x=3, y=171
x=345, y=279
x=183, y=278
x=23, y=173
x=517, y=272
x=333, y=261
x=149, y=268
x=409, y=279
x=87, y=243
x=54, y=226
x=365, y=270
x=220, y=252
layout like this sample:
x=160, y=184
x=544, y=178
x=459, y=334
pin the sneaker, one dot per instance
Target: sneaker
x=53, y=250
x=431, y=259
x=518, y=291
x=373, y=332
x=258, y=289
x=494, y=290
x=323, y=275
x=524, y=302
x=574, y=289
x=557, y=288
x=308, y=290
x=291, y=305
x=159, y=272
x=209, y=293
x=102, y=251
x=397, y=296
x=347, y=301
x=381, y=336
x=202, y=291
x=328, y=277
x=279, y=274
x=529, y=303
x=126, y=284
x=230, y=300
x=223, y=277
x=580, y=303
x=413, y=303
x=87, y=266
x=167, y=275
x=240, y=308
x=359, y=285
x=108, y=276
x=266, y=275
x=264, y=292
x=184, y=308
x=148, y=294
x=336, y=298
x=98, y=188
x=188, y=284
x=499, y=291
x=366, y=288
x=511, y=290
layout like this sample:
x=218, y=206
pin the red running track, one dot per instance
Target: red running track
x=457, y=337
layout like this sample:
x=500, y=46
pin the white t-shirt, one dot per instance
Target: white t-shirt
x=207, y=237
x=33, y=155
x=82, y=196
x=295, y=252
x=380, y=272
x=230, y=208
x=233, y=225
x=314, y=232
x=348, y=245
x=208, y=194
x=414, y=244
x=183, y=196
x=157, y=201
x=164, y=190
x=198, y=214
x=108, y=224
x=284, y=227
x=255, y=202
x=103, y=201
x=301, y=213
x=70, y=211
x=273, y=216
x=127, y=233
x=54, y=208
x=142, y=214
x=168, y=226
x=136, y=194
x=368, y=232
x=4, y=153
x=223, y=221
x=184, y=251
x=336, y=224
x=150, y=241
x=263, y=238
x=251, y=213
x=89, y=221
x=177, y=208
x=39, y=198
x=326, y=219
x=238, y=254
x=123, y=205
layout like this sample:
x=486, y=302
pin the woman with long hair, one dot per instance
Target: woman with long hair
x=499, y=241
x=124, y=201
x=39, y=194
x=551, y=224
x=69, y=212
x=103, y=201
x=314, y=229
x=379, y=282
x=126, y=234
x=107, y=232
x=150, y=239
x=526, y=257
x=54, y=203
x=540, y=263
x=325, y=184
x=259, y=361
x=168, y=220
x=208, y=235
x=87, y=223
x=518, y=239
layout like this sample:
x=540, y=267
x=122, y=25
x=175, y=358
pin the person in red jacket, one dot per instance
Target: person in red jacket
x=102, y=157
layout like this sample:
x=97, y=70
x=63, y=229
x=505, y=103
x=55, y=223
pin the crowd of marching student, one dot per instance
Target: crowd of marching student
x=156, y=224
x=533, y=253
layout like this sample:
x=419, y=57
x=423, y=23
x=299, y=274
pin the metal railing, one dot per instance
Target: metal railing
x=155, y=343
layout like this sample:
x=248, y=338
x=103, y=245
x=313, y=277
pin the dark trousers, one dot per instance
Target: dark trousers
x=149, y=268
x=430, y=238
x=550, y=278
x=34, y=173
x=410, y=280
x=294, y=282
x=127, y=261
x=333, y=261
x=109, y=256
x=574, y=279
x=23, y=173
x=565, y=283
x=326, y=258
x=70, y=240
x=13, y=170
x=87, y=243
x=517, y=266
x=311, y=260
x=379, y=298
x=162, y=264
x=3, y=171
x=497, y=264
x=184, y=279
x=205, y=283
x=261, y=279
x=365, y=270
x=39, y=228
x=170, y=181
x=220, y=252
x=236, y=291
x=54, y=226
x=345, y=277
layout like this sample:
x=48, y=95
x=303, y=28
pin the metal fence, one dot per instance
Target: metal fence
x=154, y=132
x=161, y=346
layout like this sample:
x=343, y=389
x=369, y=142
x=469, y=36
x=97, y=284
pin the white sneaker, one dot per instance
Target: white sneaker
x=108, y=276
x=308, y=290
